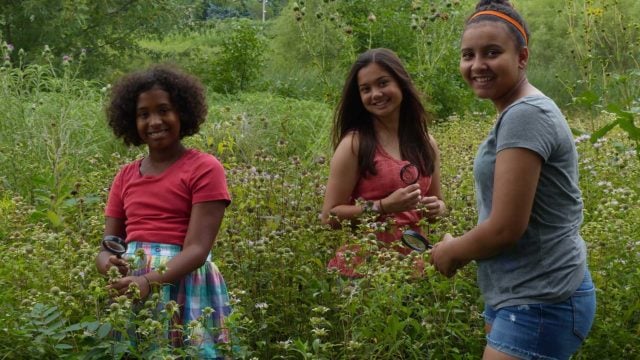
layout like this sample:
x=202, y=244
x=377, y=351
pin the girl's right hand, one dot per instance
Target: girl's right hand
x=403, y=199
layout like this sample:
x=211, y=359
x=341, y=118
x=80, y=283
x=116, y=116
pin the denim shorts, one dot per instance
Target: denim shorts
x=543, y=331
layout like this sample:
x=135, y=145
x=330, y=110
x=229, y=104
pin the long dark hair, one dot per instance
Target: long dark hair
x=504, y=7
x=351, y=115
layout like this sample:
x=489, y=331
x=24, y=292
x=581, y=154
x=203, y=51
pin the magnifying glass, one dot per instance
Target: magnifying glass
x=413, y=240
x=409, y=174
x=115, y=245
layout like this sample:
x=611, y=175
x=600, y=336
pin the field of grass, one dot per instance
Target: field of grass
x=57, y=158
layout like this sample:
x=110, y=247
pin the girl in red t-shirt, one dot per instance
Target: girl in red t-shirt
x=380, y=126
x=168, y=205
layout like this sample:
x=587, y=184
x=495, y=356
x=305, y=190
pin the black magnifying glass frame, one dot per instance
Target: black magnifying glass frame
x=115, y=245
x=409, y=174
x=413, y=240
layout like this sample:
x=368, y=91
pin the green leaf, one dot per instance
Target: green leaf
x=74, y=327
x=51, y=317
x=47, y=311
x=587, y=99
x=54, y=218
x=603, y=131
x=104, y=330
x=92, y=326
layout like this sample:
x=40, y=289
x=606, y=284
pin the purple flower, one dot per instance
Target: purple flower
x=10, y=47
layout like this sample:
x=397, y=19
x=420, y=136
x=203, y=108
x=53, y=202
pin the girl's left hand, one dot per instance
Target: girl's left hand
x=442, y=259
x=432, y=207
x=122, y=285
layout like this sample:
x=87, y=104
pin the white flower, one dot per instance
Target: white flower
x=262, y=305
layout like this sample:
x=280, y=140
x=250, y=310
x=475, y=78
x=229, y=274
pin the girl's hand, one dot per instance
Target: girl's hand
x=120, y=263
x=121, y=286
x=403, y=199
x=432, y=207
x=441, y=257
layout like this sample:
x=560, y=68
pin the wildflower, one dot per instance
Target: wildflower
x=162, y=268
x=207, y=311
x=10, y=47
x=581, y=138
x=320, y=309
x=320, y=332
x=371, y=18
x=171, y=307
x=262, y=305
x=113, y=272
x=193, y=326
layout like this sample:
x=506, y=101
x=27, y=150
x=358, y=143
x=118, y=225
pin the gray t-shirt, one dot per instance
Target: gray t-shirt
x=548, y=262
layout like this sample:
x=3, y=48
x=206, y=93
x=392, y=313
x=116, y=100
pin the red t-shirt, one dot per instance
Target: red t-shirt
x=158, y=208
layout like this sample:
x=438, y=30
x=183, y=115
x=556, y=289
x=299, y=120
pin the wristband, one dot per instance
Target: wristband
x=148, y=282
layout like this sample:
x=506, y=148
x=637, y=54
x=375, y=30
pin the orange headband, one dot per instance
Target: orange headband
x=506, y=18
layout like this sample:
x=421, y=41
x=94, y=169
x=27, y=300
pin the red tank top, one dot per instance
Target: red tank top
x=386, y=181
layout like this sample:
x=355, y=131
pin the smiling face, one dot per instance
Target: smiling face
x=379, y=91
x=157, y=121
x=491, y=63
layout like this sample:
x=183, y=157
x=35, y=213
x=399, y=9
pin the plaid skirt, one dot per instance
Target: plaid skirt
x=201, y=289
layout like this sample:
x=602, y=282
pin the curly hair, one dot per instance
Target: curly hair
x=505, y=7
x=186, y=92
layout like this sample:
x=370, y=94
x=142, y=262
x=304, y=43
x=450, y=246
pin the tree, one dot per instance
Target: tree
x=106, y=31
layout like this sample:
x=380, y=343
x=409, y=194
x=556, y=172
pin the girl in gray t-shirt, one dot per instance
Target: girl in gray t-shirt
x=532, y=270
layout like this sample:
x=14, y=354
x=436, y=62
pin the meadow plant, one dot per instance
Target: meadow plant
x=52, y=133
x=600, y=39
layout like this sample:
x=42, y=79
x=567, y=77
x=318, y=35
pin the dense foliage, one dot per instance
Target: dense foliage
x=272, y=249
x=272, y=89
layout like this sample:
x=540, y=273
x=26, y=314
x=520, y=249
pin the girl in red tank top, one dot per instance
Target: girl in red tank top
x=380, y=126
